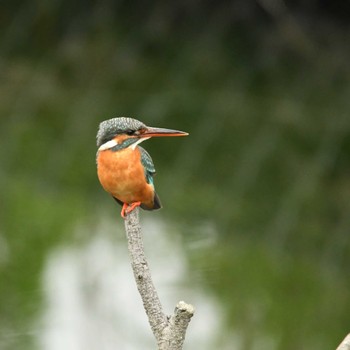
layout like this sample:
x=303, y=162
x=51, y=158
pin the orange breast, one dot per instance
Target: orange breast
x=122, y=175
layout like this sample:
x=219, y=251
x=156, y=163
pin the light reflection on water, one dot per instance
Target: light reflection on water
x=92, y=301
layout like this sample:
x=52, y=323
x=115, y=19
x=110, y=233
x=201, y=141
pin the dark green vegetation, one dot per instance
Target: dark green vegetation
x=264, y=95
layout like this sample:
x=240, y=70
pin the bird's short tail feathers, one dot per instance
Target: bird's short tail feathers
x=156, y=203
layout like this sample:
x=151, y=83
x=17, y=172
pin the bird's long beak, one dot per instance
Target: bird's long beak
x=160, y=132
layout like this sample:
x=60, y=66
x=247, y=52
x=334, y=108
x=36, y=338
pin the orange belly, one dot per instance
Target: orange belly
x=122, y=175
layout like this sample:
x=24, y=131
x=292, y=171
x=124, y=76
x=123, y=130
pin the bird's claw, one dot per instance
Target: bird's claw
x=126, y=209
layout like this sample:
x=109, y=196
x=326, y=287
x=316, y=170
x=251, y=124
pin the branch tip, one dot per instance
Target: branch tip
x=184, y=307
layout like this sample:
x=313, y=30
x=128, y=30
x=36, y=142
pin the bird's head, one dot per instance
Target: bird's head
x=124, y=132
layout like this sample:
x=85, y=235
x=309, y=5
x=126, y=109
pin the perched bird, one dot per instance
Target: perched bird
x=125, y=169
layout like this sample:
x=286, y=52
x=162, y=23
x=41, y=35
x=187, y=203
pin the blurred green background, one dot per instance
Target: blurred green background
x=259, y=192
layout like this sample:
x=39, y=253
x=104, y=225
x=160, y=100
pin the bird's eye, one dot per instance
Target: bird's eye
x=130, y=132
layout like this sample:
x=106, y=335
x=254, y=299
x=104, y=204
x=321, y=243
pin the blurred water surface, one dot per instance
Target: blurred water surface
x=91, y=300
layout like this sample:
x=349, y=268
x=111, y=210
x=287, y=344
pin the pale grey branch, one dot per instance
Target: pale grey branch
x=169, y=331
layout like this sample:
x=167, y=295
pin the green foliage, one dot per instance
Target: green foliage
x=287, y=299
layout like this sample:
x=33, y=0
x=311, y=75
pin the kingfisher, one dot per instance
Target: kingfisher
x=125, y=169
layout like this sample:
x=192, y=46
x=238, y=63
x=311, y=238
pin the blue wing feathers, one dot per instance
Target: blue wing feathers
x=147, y=162
x=150, y=171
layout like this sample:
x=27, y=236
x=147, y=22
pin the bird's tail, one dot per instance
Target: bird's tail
x=156, y=203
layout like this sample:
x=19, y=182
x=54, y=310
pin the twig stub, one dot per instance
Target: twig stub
x=345, y=344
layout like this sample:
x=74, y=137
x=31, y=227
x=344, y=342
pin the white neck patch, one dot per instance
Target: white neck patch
x=107, y=145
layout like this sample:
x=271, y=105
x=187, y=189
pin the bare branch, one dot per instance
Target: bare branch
x=168, y=331
x=142, y=274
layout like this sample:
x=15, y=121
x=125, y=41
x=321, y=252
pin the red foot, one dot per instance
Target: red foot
x=126, y=209
x=122, y=213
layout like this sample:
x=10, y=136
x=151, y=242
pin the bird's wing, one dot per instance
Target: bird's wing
x=147, y=162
